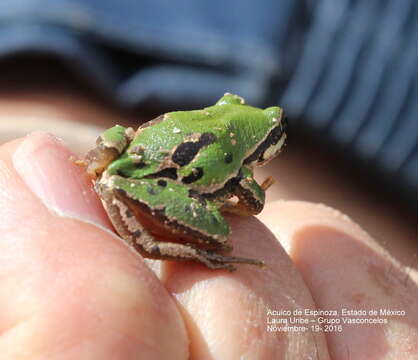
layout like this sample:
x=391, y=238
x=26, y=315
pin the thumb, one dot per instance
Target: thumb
x=68, y=288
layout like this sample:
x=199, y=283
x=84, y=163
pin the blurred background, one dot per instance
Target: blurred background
x=345, y=71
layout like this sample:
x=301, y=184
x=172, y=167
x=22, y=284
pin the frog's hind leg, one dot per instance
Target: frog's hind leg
x=175, y=251
x=122, y=212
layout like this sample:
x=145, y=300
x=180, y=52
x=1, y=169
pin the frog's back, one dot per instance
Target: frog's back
x=205, y=147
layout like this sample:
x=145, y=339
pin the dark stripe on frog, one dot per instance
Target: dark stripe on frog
x=211, y=243
x=252, y=205
x=233, y=187
x=227, y=190
x=195, y=175
x=272, y=139
x=140, y=165
x=228, y=158
x=187, y=151
x=170, y=173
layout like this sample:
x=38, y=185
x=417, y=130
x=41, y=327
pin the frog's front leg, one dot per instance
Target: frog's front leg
x=160, y=205
x=251, y=195
x=109, y=145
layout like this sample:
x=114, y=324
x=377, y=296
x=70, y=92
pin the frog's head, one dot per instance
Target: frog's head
x=271, y=122
x=272, y=144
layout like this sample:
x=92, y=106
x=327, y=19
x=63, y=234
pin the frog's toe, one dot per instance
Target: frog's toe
x=222, y=261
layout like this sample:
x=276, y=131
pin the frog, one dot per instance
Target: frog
x=167, y=185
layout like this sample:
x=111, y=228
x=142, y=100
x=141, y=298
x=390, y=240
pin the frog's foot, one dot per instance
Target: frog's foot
x=228, y=260
x=175, y=251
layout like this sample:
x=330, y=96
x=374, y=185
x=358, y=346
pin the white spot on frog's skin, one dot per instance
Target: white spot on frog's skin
x=132, y=185
x=274, y=120
x=231, y=134
x=176, y=131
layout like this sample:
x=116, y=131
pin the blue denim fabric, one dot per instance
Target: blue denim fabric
x=186, y=52
x=347, y=69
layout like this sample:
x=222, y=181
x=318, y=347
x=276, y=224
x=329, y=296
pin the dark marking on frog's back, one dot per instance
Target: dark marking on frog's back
x=187, y=151
x=162, y=183
x=170, y=173
x=228, y=158
x=195, y=175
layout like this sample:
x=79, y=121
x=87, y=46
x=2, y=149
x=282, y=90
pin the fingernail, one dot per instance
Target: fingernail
x=45, y=165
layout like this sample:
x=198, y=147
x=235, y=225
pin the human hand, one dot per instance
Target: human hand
x=69, y=289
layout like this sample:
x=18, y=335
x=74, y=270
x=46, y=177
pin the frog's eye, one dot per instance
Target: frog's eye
x=230, y=99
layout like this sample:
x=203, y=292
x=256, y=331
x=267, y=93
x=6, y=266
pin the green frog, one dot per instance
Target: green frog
x=166, y=185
